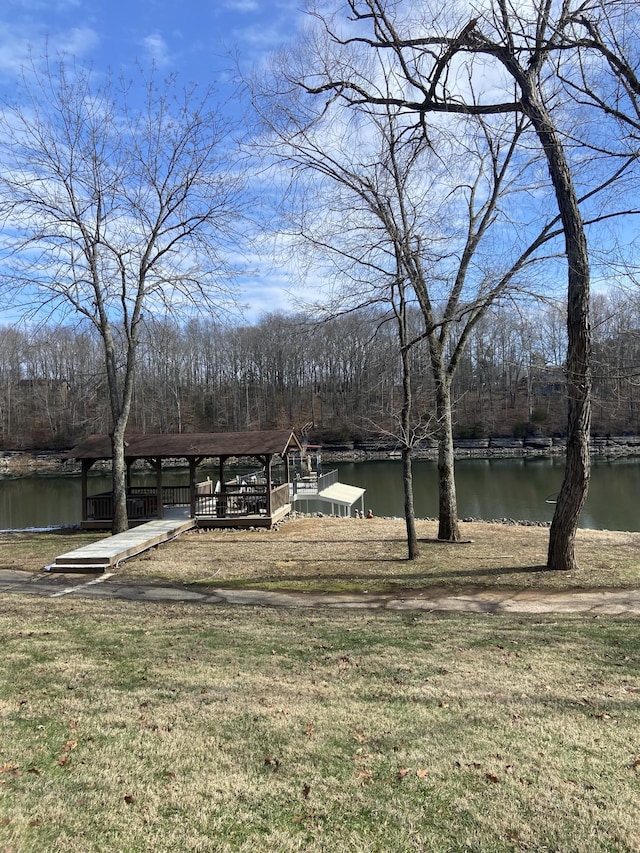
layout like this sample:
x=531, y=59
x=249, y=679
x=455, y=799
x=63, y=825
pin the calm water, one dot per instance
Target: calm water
x=487, y=488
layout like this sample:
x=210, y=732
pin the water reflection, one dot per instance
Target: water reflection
x=487, y=488
x=506, y=488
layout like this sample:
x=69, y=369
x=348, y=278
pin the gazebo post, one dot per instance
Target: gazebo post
x=86, y=465
x=157, y=464
x=267, y=467
x=193, y=463
x=221, y=504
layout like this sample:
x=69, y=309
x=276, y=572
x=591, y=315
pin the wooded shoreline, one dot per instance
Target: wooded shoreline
x=17, y=463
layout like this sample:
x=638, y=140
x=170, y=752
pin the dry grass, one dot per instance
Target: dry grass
x=344, y=554
x=132, y=727
x=32, y=550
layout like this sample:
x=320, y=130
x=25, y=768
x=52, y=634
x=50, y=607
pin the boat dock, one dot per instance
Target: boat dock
x=325, y=489
x=107, y=553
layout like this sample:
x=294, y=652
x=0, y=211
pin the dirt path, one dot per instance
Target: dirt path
x=595, y=602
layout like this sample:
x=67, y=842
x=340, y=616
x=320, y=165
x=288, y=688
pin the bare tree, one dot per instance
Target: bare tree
x=116, y=198
x=483, y=61
x=403, y=214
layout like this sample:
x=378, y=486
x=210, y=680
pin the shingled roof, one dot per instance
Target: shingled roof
x=193, y=445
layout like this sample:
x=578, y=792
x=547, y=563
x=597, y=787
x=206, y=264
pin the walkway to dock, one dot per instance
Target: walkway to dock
x=107, y=553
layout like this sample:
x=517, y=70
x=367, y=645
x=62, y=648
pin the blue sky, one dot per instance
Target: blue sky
x=193, y=37
x=197, y=39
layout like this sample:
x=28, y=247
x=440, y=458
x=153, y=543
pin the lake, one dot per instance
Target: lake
x=487, y=489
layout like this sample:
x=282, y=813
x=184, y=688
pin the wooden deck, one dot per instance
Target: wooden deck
x=107, y=553
x=238, y=505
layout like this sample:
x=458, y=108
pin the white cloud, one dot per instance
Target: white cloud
x=14, y=51
x=156, y=49
x=22, y=44
x=242, y=6
x=78, y=42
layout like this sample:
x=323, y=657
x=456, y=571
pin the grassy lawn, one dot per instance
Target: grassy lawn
x=344, y=554
x=129, y=727
x=334, y=554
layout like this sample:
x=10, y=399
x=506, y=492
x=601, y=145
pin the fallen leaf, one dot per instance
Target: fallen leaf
x=272, y=762
x=402, y=772
x=70, y=745
x=365, y=776
x=129, y=800
x=306, y=790
x=35, y=822
x=490, y=777
x=421, y=774
x=309, y=729
x=9, y=767
x=63, y=759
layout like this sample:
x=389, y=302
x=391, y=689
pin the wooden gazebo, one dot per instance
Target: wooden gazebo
x=241, y=502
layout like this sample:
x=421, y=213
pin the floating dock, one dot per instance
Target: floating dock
x=340, y=497
x=107, y=553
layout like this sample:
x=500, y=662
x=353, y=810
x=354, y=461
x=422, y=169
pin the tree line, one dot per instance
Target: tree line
x=340, y=379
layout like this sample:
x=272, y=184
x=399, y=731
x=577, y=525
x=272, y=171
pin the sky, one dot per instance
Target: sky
x=199, y=40
x=192, y=37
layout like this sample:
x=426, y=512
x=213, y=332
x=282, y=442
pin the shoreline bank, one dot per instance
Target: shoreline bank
x=24, y=463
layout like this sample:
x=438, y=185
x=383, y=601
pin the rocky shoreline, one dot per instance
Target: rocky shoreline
x=485, y=448
x=15, y=463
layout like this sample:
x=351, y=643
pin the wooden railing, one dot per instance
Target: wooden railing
x=279, y=497
x=244, y=500
x=171, y=495
x=142, y=501
x=139, y=505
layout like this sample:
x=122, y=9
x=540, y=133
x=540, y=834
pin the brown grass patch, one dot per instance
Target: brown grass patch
x=30, y=551
x=346, y=554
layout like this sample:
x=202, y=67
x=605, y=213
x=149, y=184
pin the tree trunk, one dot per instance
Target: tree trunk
x=409, y=511
x=575, y=485
x=448, y=528
x=120, y=521
x=405, y=429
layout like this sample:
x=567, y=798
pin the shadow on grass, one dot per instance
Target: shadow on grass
x=495, y=571
x=380, y=582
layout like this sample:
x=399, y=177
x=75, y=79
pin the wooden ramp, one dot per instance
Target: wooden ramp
x=108, y=552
